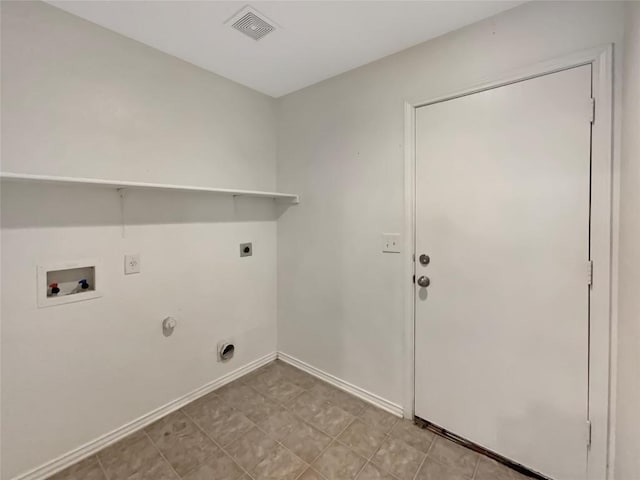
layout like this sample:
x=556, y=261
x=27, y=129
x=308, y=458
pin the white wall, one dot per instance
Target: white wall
x=627, y=457
x=340, y=145
x=79, y=100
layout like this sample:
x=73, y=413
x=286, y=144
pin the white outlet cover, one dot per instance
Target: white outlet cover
x=391, y=242
x=131, y=264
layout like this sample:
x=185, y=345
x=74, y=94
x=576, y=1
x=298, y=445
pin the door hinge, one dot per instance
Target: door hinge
x=592, y=110
x=588, y=433
x=590, y=272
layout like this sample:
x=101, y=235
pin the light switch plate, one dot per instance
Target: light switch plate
x=131, y=264
x=391, y=242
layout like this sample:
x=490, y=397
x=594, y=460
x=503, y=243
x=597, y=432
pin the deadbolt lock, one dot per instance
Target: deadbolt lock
x=424, y=259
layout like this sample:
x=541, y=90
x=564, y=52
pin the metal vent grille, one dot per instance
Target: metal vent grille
x=253, y=26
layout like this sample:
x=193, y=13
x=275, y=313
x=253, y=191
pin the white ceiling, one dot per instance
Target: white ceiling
x=315, y=39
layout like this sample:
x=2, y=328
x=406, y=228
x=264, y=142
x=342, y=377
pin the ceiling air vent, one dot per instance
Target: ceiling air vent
x=251, y=23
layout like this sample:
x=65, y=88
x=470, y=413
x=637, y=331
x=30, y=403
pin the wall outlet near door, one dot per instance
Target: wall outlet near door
x=131, y=264
x=391, y=242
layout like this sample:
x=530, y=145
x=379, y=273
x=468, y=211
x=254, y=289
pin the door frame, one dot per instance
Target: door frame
x=603, y=240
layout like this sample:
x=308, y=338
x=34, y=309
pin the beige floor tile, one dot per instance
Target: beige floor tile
x=135, y=457
x=236, y=393
x=331, y=420
x=280, y=371
x=322, y=390
x=218, y=466
x=251, y=448
x=277, y=422
x=310, y=474
x=304, y=440
x=181, y=442
x=280, y=464
x=250, y=402
x=307, y=405
x=298, y=377
x=297, y=416
x=489, y=469
x=362, y=438
x=269, y=374
x=454, y=455
x=339, y=463
x=219, y=420
x=323, y=415
x=418, y=438
x=281, y=391
x=378, y=418
x=347, y=402
x=87, y=469
x=301, y=438
x=371, y=472
x=432, y=470
x=266, y=376
x=397, y=458
x=339, y=398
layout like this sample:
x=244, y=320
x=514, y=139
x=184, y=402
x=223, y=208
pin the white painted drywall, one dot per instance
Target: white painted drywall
x=79, y=100
x=340, y=145
x=627, y=455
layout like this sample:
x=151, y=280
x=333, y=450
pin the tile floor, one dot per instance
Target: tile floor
x=281, y=423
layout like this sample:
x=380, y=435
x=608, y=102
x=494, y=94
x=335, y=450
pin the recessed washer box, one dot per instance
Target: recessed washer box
x=67, y=282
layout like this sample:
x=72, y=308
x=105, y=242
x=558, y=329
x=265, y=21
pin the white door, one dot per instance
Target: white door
x=502, y=210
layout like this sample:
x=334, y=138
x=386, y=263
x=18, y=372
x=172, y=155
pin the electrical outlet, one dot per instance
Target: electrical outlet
x=131, y=264
x=391, y=242
x=246, y=249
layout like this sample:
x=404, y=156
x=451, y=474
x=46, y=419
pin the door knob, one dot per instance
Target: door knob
x=424, y=281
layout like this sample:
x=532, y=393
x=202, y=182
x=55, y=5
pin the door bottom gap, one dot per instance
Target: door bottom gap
x=441, y=432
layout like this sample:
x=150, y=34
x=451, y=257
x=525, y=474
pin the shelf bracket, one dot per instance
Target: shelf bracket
x=122, y=195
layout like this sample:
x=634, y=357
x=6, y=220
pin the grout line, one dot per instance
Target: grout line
x=248, y=381
x=437, y=436
x=217, y=445
x=475, y=470
x=307, y=465
x=335, y=440
x=104, y=472
x=160, y=452
x=426, y=457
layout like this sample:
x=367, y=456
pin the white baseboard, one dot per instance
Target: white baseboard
x=54, y=466
x=94, y=446
x=361, y=393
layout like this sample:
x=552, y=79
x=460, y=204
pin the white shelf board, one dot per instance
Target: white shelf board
x=117, y=184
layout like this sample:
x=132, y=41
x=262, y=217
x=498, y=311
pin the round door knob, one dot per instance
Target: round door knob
x=424, y=281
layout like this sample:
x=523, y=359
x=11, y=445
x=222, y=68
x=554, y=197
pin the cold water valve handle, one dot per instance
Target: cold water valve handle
x=83, y=284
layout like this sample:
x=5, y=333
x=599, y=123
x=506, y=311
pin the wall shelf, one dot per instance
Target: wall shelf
x=116, y=184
